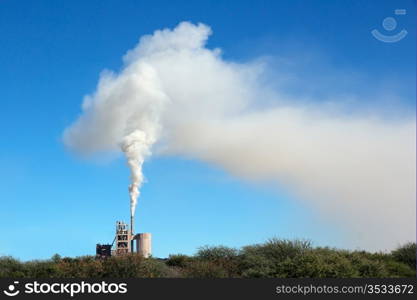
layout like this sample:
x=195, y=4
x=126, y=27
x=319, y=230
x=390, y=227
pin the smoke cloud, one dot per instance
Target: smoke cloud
x=136, y=147
x=177, y=97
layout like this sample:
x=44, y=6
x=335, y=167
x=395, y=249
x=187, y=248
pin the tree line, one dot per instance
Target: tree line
x=274, y=258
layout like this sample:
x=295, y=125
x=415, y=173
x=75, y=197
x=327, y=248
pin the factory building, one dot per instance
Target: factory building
x=125, y=241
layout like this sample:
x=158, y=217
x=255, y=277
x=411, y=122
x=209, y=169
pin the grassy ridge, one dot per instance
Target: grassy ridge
x=275, y=258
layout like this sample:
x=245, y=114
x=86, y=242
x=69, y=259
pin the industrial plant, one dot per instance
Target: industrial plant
x=125, y=242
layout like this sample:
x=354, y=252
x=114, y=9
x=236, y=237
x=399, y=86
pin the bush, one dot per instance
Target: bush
x=329, y=264
x=152, y=268
x=406, y=254
x=82, y=267
x=204, y=269
x=278, y=250
x=41, y=269
x=178, y=260
x=216, y=253
x=10, y=267
x=225, y=258
x=398, y=269
x=126, y=266
x=275, y=258
x=271, y=258
x=367, y=265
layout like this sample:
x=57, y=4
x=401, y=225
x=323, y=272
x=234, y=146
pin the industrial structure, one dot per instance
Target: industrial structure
x=123, y=239
x=124, y=242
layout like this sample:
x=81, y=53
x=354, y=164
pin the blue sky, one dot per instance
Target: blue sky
x=51, y=55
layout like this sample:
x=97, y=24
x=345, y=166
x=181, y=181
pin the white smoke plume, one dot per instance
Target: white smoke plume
x=123, y=114
x=136, y=147
x=181, y=98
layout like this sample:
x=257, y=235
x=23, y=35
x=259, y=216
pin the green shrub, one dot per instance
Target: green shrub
x=82, y=267
x=216, y=253
x=41, y=269
x=56, y=258
x=152, y=268
x=256, y=266
x=272, y=258
x=398, y=269
x=227, y=259
x=204, y=269
x=10, y=267
x=406, y=254
x=367, y=266
x=126, y=266
x=278, y=250
x=275, y=258
x=178, y=260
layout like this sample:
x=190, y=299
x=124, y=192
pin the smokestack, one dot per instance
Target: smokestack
x=131, y=225
x=131, y=234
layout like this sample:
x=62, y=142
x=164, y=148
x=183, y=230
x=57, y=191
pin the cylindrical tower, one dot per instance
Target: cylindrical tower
x=132, y=235
x=131, y=225
x=144, y=244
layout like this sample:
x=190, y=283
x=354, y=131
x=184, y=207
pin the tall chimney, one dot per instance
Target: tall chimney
x=131, y=225
x=131, y=235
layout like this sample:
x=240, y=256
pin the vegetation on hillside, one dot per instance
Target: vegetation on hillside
x=275, y=258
